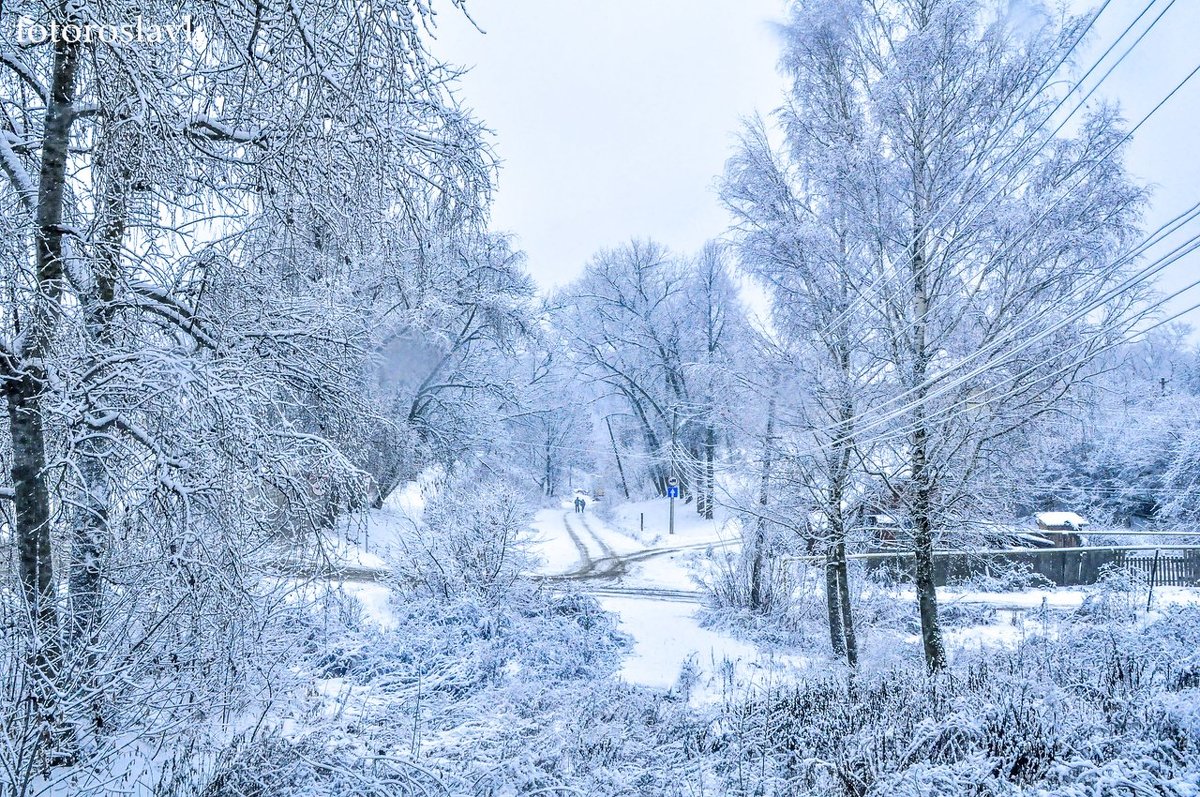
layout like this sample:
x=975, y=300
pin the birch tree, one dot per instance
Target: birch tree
x=991, y=242
x=806, y=252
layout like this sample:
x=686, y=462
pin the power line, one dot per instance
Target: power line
x=1155, y=238
x=962, y=206
x=1147, y=272
x=947, y=413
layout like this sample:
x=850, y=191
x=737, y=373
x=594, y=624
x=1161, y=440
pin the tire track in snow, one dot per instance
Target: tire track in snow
x=653, y=593
x=586, y=563
x=608, y=566
x=608, y=552
x=615, y=565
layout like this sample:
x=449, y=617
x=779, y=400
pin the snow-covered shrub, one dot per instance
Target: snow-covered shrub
x=174, y=673
x=1120, y=591
x=466, y=696
x=876, y=605
x=475, y=688
x=473, y=538
x=1010, y=577
x=965, y=614
x=730, y=583
x=321, y=763
x=1097, y=709
x=793, y=614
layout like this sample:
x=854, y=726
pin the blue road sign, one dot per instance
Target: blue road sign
x=672, y=492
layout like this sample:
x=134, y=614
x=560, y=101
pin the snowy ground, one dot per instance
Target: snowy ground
x=648, y=578
x=649, y=522
x=1036, y=611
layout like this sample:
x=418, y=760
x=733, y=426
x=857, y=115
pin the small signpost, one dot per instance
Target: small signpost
x=672, y=494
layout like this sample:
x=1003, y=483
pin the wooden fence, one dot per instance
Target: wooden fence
x=1172, y=569
x=1065, y=567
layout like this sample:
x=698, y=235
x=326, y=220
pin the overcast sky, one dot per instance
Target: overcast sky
x=613, y=118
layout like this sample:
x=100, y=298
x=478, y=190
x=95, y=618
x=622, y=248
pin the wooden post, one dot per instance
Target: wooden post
x=1153, y=576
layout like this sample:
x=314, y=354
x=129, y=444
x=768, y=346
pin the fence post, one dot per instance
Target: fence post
x=1153, y=576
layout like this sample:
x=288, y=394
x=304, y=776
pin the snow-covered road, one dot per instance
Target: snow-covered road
x=649, y=584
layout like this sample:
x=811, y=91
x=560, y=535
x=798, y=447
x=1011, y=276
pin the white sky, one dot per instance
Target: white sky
x=613, y=118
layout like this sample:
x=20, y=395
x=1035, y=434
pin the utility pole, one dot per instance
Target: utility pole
x=617, y=455
x=672, y=491
x=672, y=480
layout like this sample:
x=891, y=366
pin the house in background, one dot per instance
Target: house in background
x=1064, y=529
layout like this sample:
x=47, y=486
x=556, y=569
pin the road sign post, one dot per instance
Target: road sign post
x=672, y=494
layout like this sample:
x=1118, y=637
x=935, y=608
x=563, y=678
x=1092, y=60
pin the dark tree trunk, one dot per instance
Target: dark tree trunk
x=31, y=500
x=844, y=599
x=26, y=386
x=617, y=456
x=657, y=475
x=90, y=532
x=921, y=503
x=931, y=631
x=833, y=607
x=758, y=597
x=839, y=482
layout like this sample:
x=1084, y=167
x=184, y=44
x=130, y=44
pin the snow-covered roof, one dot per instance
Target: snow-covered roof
x=1031, y=540
x=1060, y=519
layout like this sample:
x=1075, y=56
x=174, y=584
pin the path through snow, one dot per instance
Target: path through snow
x=648, y=584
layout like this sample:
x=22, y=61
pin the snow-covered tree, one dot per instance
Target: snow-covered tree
x=985, y=244
x=187, y=331
x=1123, y=458
x=664, y=335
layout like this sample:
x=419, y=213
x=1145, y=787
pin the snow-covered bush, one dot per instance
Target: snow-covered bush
x=1120, y=591
x=729, y=586
x=966, y=614
x=465, y=696
x=1010, y=577
x=321, y=763
x=473, y=538
x=1098, y=709
x=792, y=615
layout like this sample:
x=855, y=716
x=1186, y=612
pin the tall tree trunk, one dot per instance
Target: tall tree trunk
x=25, y=388
x=837, y=581
x=710, y=479
x=922, y=490
x=758, y=552
x=839, y=483
x=617, y=456
x=90, y=530
x=31, y=501
x=834, y=586
x=658, y=475
x=931, y=632
x=848, y=634
x=833, y=607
